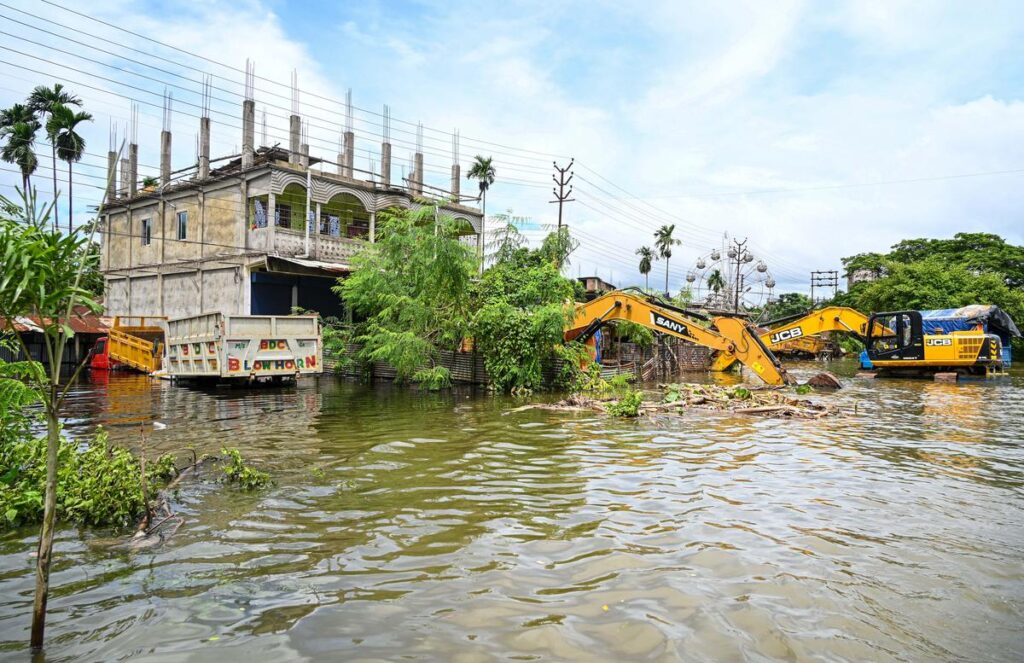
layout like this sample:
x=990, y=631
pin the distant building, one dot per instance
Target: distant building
x=595, y=286
x=861, y=276
x=235, y=239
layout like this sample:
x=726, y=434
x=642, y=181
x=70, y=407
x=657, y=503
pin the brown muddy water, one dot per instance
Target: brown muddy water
x=436, y=527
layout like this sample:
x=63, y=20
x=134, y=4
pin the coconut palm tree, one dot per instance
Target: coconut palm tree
x=42, y=100
x=483, y=172
x=664, y=241
x=19, y=148
x=70, y=145
x=647, y=257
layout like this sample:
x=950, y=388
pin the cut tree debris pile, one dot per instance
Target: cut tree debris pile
x=677, y=398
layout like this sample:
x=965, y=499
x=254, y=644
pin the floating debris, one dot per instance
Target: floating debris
x=677, y=398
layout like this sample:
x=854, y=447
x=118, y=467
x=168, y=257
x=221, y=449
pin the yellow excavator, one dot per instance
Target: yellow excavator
x=805, y=325
x=969, y=340
x=733, y=338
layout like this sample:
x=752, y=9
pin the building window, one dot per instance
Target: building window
x=147, y=231
x=182, y=225
x=283, y=216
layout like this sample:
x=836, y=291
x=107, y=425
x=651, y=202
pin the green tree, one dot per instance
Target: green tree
x=646, y=262
x=43, y=101
x=664, y=241
x=978, y=252
x=507, y=238
x=483, y=172
x=790, y=303
x=716, y=282
x=520, y=314
x=62, y=129
x=934, y=283
x=40, y=275
x=19, y=146
x=412, y=286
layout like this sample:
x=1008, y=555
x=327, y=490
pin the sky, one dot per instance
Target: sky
x=814, y=130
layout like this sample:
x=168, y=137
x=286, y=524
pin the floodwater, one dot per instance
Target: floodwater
x=441, y=527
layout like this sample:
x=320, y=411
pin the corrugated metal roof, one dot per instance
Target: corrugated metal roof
x=83, y=321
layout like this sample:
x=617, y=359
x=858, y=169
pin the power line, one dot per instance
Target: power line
x=232, y=68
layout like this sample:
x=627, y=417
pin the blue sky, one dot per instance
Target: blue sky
x=797, y=124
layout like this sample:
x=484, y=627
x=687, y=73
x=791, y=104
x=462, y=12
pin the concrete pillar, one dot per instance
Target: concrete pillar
x=373, y=227
x=350, y=150
x=204, y=148
x=111, y=175
x=304, y=155
x=248, y=133
x=417, y=175
x=456, y=180
x=123, y=187
x=165, y=158
x=341, y=164
x=271, y=222
x=316, y=231
x=133, y=169
x=294, y=136
x=385, y=164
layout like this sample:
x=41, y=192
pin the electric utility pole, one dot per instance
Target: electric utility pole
x=561, y=195
x=739, y=253
x=824, y=279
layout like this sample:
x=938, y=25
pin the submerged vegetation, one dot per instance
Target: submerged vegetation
x=414, y=294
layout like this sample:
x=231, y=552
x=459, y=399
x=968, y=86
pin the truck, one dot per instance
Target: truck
x=215, y=346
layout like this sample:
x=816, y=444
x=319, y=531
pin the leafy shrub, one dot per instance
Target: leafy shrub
x=628, y=405
x=238, y=473
x=804, y=389
x=434, y=378
x=97, y=484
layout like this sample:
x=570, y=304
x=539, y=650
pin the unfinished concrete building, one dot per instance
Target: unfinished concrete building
x=267, y=231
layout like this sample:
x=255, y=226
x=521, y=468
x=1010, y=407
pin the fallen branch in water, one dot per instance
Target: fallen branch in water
x=146, y=534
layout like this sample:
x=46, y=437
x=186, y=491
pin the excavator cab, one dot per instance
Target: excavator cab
x=902, y=338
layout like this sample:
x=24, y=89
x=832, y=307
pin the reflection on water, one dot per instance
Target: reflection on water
x=438, y=527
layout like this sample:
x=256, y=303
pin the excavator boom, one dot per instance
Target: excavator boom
x=730, y=337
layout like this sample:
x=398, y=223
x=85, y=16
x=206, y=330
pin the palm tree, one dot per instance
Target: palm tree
x=42, y=100
x=646, y=259
x=20, y=149
x=664, y=242
x=716, y=282
x=15, y=114
x=70, y=145
x=482, y=171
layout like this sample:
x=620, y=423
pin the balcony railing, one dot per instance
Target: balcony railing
x=291, y=243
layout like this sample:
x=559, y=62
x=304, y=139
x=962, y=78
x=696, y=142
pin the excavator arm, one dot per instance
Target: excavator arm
x=730, y=337
x=827, y=319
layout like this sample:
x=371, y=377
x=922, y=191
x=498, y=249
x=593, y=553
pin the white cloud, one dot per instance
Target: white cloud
x=687, y=104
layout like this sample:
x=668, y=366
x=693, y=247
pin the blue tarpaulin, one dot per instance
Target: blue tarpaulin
x=991, y=318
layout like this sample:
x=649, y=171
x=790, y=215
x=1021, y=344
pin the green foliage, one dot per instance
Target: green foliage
x=739, y=393
x=977, y=252
x=164, y=470
x=433, y=379
x=413, y=287
x=971, y=268
x=97, y=484
x=238, y=473
x=634, y=333
x=933, y=283
x=521, y=315
x=628, y=405
x=804, y=389
x=790, y=303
